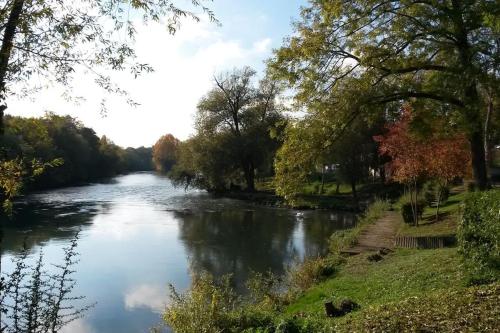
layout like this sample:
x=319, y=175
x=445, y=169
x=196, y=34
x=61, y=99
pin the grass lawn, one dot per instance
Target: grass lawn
x=400, y=275
x=449, y=213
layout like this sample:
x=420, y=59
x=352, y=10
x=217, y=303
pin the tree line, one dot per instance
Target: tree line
x=80, y=155
x=354, y=69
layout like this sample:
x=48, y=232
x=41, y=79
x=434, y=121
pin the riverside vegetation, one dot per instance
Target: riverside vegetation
x=439, y=290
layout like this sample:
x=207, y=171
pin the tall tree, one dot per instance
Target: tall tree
x=53, y=39
x=439, y=53
x=165, y=152
x=234, y=125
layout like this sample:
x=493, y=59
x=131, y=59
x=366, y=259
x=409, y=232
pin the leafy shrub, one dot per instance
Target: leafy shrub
x=479, y=235
x=206, y=307
x=312, y=271
x=265, y=290
x=408, y=210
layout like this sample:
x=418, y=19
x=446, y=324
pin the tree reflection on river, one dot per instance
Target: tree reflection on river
x=138, y=233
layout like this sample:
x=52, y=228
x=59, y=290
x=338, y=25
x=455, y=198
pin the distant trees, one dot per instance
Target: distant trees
x=165, y=153
x=237, y=128
x=441, y=55
x=81, y=156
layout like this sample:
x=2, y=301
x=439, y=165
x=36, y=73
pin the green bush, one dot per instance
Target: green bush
x=407, y=211
x=311, y=271
x=479, y=236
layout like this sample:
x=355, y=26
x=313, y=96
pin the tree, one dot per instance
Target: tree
x=234, y=124
x=309, y=144
x=165, y=152
x=442, y=157
x=53, y=39
x=439, y=53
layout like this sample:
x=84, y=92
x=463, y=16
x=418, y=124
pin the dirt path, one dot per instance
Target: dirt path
x=377, y=236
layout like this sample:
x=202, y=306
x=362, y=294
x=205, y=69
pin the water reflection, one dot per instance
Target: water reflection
x=139, y=233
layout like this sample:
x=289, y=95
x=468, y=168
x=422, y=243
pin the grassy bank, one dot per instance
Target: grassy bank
x=404, y=290
x=449, y=214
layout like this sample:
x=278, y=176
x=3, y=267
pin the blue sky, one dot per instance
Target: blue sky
x=184, y=66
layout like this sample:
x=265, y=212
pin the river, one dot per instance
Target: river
x=138, y=233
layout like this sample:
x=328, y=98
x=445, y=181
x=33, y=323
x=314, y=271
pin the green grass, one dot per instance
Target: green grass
x=470, y=310
x=449, y=214
x=400, y=275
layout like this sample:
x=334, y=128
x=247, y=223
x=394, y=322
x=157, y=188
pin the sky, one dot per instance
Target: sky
x=184, y=68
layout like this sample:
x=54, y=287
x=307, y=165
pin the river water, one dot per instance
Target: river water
x=138, y=233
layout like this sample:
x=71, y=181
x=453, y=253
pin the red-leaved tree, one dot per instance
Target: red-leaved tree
x=413, y=159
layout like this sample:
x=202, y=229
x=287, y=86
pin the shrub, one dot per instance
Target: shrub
x=206, y=307
x=312, y=271
x=479, y=236
x=407, y=211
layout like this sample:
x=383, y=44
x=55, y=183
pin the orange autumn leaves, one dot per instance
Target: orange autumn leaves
x=413, y=158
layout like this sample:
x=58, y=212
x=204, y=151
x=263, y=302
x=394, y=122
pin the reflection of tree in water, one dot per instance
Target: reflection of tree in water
x=238, y=241
x=36, y=223
x=318, y=226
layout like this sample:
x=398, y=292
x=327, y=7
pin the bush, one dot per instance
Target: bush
x=312, y=271
x=479, y=236
x=407, y=211
x=206, y=307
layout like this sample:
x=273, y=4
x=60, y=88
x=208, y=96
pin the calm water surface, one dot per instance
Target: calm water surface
x=139, y=233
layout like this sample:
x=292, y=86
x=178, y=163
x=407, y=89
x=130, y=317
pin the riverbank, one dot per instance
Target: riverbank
x=310, y=198
x=377, y=290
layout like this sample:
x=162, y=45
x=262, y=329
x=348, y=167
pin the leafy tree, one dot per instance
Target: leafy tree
x=441, y=54
x=74, y=152
x=53, y=39
x=165, y=152
x=310, y=143
x=235, y=125
x=442, y=158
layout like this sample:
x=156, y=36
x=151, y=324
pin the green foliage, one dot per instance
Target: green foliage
x=364, y=58
x=16, y=174
x=312, y=271
x=238, y=126
x=318, y=140
x=206, y=307
x=52, y=151
x=479, y=236
x=412, y=210
x=435, y=194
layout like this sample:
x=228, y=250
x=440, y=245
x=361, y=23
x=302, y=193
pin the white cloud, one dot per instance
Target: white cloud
x=146, y=296
x=77, y=326
x=184, y=66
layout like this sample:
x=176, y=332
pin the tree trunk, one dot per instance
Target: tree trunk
x=353, y=188
x=322, y=180
x=249, y=172
x=478, y=160
x=5, y=53
x=487, y=122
